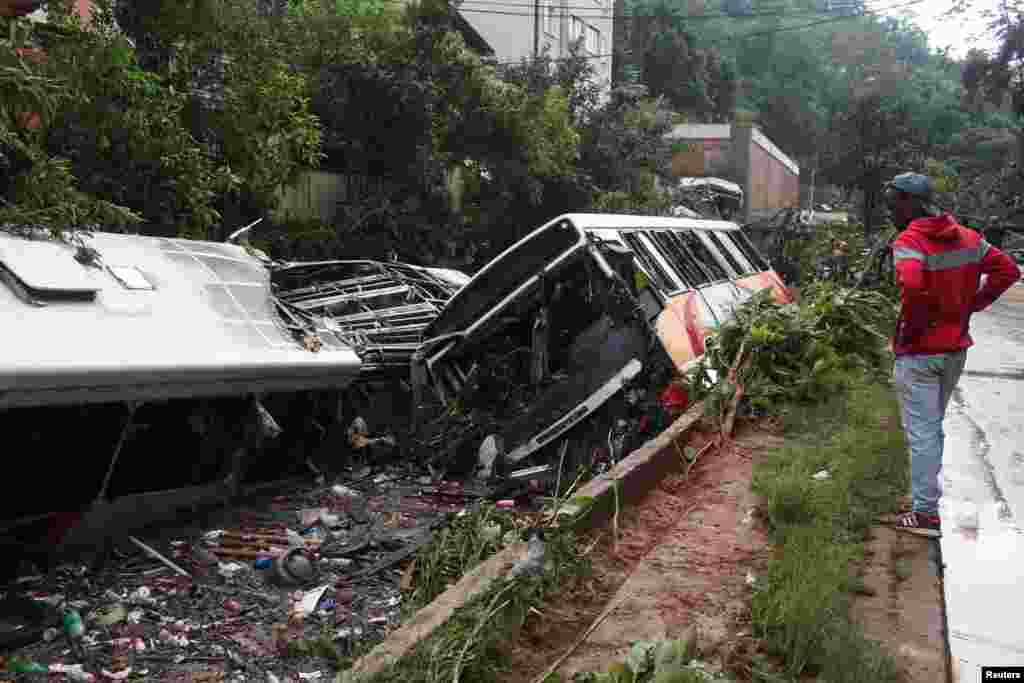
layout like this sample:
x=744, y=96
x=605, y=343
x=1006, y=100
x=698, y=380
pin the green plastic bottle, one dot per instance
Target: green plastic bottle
x=17, y=665
x=73, y=625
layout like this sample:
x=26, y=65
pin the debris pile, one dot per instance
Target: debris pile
x=287, y=588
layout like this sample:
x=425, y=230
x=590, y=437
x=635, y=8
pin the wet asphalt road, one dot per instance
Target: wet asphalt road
x=983, y=495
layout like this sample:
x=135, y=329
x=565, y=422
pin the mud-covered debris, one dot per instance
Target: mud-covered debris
x=533, y=563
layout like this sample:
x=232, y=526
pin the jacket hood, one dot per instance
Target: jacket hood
x=939, y=228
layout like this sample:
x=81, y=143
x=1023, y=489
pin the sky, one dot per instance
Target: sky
x=953, y=32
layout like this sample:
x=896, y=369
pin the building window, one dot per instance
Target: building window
x=576, y=29
x=593, y=40
x=550, y=19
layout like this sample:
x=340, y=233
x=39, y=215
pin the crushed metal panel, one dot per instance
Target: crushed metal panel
x=555, y=288
x=380, y=309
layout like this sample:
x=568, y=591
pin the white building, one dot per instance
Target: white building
x=521, y=29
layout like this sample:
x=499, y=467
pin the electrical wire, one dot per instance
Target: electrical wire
x=595, y=7
x=484, y=9
x=742, y=36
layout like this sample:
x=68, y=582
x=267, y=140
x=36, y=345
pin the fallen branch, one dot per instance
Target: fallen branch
x=742, y=361
x=579, y=641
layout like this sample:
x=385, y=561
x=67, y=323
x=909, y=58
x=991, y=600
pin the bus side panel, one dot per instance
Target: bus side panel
x=767, y=280
x=682, y=329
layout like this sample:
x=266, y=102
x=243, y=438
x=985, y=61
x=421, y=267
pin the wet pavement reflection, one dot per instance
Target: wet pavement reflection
x=982, y=506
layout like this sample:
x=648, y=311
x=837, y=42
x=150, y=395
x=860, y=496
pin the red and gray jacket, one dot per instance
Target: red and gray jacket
x=939, y=265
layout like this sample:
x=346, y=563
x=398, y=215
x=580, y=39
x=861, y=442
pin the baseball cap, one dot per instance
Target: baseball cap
x=916, y=185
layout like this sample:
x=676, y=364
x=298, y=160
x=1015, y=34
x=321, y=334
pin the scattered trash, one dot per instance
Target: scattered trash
x=153, y=553
x=230, y=569
x=74, y=629
x=311, y=676
x=73, y=671
x=751, y=579
x=295, y=567
x=19, y=665
x=345, y=492
x=307, y=605
x=823, y=475
x=113, y=615
x=360, y=534
x=119, y=676
x=533, y=563
x=490, y=450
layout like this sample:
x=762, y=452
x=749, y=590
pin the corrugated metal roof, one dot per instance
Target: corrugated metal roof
x=208, y=326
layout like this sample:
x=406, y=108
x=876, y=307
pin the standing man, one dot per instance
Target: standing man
x=939, y=265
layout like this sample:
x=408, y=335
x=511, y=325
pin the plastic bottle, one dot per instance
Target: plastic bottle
x=18, y=665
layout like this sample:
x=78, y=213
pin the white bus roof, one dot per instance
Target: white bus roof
x=157, y=318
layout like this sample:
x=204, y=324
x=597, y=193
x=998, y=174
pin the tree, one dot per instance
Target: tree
x=245, y=100
x=121, y=129
x=38, y=188
x=876, y=139
x=695, y=80
x=625, y=152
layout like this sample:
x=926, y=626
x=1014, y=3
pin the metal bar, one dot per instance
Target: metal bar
x=157, y=556
x=132, y=407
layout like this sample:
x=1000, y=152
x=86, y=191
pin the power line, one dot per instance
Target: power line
x=695, y=18
x=593, y=6
x=742, y=36
x=582, y=13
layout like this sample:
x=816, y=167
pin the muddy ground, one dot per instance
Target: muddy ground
x=684, y=561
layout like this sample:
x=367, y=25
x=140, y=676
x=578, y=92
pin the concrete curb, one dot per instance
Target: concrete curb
x=594, y=504
x=635, y=475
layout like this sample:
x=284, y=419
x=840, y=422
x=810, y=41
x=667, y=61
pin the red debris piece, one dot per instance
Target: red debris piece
x=675, y=399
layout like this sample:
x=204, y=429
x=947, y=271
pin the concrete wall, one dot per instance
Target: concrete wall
x=774, y=177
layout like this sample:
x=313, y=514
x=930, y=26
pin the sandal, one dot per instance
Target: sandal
x=920, y=524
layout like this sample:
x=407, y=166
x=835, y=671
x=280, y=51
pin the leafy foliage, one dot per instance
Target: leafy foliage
x=124, y=135
x=798, y=352
x=37, y=186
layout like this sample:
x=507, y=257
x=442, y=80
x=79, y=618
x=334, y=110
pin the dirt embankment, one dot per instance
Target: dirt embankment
x=684, y=562
x=681, y=559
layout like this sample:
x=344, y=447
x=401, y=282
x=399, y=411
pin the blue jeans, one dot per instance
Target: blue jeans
x=924, y=385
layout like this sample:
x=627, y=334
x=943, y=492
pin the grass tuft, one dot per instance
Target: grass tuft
x=820, y=527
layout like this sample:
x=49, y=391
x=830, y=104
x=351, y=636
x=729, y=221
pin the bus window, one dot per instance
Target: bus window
x=726, y=251
x=652, y=268
x=744, y=264
x=744, y=244
x=682, y=260
x=703, y=254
